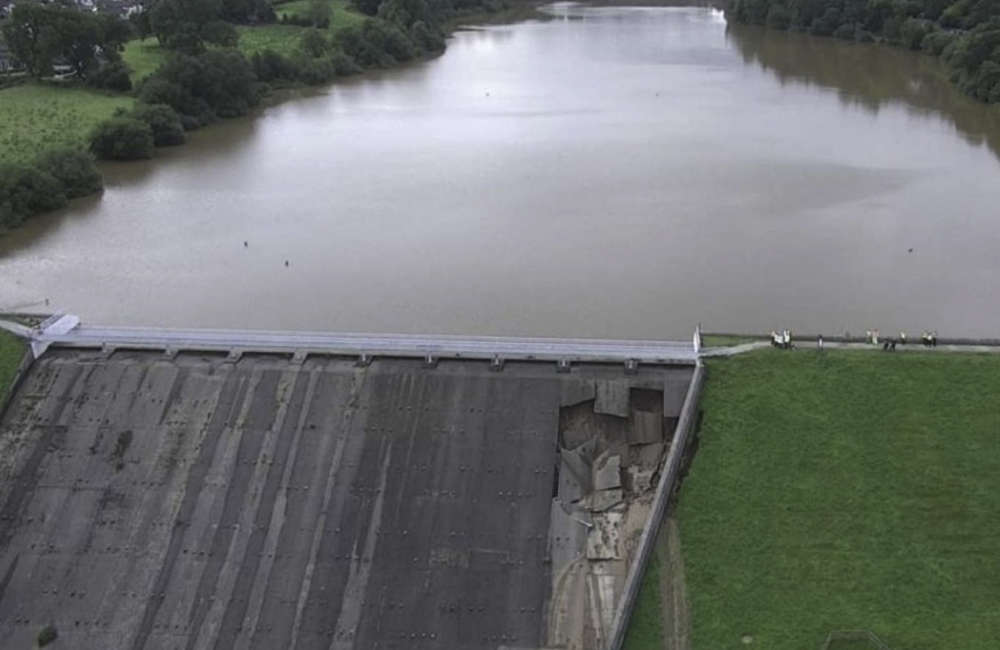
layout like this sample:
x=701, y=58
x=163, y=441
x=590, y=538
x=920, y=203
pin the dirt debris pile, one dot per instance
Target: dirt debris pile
x=612, y=440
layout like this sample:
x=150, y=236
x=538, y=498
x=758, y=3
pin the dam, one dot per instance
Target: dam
x=177, y=498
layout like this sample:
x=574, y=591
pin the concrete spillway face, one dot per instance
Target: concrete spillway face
x=612, y=442
x=152, y=500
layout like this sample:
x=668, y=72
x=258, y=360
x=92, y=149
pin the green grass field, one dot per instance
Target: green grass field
x=341, y=13
x=283, y=39
x=36, y=117
x=645, y=630
x=11, y=353
x=845, y=490
x=143, y=56
x=719, y=341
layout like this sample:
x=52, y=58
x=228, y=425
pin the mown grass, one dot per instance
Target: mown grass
x=645, y=628
x=11, y=352
x=845, y=490
x=35, y=117
x=143, y=56
x=341, y=12
x=283, y=39
x=719, y=341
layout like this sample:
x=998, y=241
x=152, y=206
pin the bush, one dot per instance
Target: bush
x=163, y=121
x=778, y=17
x=313, y=43
x=316, y=71
x=217, y=83
x=424, y=38
x=75, y=170
x=304, y=21
x=269, y=66
x=935, y=42
x=343, y=65
x=25, y=191
x=388, y=38
x=111, y=76
x=122, y=138
x=845, y=31
x=913, y=32
x=357, y=43
x=220, y=33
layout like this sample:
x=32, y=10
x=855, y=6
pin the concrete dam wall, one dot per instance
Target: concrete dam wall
x=261, y=502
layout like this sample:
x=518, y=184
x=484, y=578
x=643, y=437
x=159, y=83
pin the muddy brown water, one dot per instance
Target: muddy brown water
x=612, y=172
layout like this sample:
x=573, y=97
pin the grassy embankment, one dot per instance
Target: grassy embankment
x=844, y=490
x=11, y=353
x=35, y=117
x=645, y=631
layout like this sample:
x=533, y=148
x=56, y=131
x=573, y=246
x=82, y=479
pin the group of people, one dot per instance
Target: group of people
x=782, y=339
x=928, y=338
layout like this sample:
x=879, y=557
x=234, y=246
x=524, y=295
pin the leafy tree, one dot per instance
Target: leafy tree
x=964, y=33
x=122, y=138
x=26, y=190
x=247, y=11
x=163, y=121
x=425, y=39
x=219, y=32
x=177, y=24
x=216, y=83
x=343, y=65
x=111, y=76
x=32, y=37
x=313, y=43
x=39, y=34
x=318, y=13
x=369, y=7
x=269, y=66
x=74, y=169
x=405, y=12
x=140, y=23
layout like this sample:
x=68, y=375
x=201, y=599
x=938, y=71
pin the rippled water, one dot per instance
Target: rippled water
x=611, y=172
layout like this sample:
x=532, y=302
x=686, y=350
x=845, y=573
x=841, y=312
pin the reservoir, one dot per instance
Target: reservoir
x=618, y=172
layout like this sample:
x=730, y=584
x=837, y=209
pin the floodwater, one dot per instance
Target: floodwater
x=611, y=172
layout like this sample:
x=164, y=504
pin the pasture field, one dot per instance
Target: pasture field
x=844, y=490
x=35, y=117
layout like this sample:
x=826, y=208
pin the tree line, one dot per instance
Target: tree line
x=965, y=34
x=203, y=79
x=89, y=44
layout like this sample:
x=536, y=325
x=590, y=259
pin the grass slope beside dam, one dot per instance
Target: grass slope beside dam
x=11, y=353
x=844, y=490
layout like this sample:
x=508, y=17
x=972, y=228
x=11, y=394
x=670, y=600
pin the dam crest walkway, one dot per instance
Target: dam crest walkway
x=66, y=331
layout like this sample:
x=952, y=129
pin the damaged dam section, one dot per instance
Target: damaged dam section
x=204, y=501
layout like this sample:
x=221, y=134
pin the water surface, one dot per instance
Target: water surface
x=612, y=172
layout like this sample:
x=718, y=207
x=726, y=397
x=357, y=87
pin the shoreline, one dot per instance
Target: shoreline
x=274, y=96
